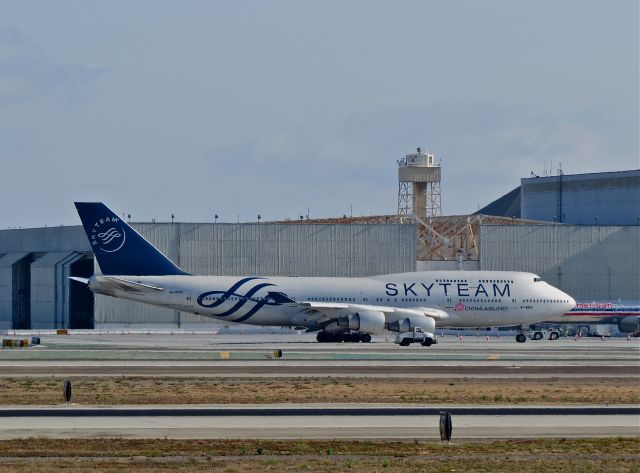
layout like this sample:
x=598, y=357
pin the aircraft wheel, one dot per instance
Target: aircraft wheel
x=537, y=336
x=365, y=338
x=521, y=338
x=553, y=336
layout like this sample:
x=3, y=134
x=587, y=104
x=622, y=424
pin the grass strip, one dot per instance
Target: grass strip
x=119, y=447
x=173, y=390
x=243, y=456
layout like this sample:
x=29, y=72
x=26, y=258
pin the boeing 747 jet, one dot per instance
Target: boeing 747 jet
x=338, y=309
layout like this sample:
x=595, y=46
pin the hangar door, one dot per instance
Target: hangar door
x=15, y=311
x=56, y=300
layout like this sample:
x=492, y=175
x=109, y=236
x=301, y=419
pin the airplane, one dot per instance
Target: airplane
x=338, y=308
x=624, y=314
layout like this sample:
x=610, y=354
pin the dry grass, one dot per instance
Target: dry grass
x=165, y=390
x=119, y=447
x=523, y=456
x=331, y=465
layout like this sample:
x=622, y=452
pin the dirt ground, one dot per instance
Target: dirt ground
x=522, y=456
x=161, y=390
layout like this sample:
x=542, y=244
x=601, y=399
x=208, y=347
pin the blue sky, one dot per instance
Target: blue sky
x=272, y=107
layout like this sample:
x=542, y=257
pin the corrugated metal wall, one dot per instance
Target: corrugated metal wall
x=39, y=240
x=613, y=198
x=269, y=250
x=588, y=262
x=216, y=249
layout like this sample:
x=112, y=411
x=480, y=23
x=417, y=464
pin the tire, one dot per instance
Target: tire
x=553, y=336
x=405, y=342
x=365, y=338
x=521, y=338
x=322, y=337
x=350, y=338
x=537, y=336
x=427, y=342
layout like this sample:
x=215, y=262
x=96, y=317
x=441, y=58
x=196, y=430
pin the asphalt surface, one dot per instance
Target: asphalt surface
x=259, y=356
x=282, y=369
x=277, y=422
x=279, y=411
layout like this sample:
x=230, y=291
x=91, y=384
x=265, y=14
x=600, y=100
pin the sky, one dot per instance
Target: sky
x=283, y=108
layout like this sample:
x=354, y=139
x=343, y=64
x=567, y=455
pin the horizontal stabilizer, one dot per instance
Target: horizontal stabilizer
x=128, y=286
x=82, y=280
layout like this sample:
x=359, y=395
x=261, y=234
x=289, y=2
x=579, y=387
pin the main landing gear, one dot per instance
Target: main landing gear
x=347, y=337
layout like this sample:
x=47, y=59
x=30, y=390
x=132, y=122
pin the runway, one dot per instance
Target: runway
x=287, y=356
x=249, y=356
x=288, y=422
x=286, y=370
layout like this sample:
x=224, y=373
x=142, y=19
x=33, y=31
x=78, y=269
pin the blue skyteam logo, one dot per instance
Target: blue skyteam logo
x=249, y=300
x=107, y=235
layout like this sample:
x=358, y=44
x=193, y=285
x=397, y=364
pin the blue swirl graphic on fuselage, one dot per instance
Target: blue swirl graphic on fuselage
x=273, y=298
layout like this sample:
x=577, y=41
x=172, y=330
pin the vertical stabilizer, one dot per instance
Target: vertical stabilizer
x=119, y=249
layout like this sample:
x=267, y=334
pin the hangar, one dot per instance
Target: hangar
x=35, y=265
x=586, y=258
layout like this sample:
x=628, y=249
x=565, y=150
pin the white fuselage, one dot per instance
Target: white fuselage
x=599, y=312
x=470, y=298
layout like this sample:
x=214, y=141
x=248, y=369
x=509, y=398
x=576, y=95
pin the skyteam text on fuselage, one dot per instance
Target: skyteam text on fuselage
x=339, y=309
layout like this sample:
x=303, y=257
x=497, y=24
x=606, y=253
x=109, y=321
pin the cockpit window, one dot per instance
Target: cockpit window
x=537, y=279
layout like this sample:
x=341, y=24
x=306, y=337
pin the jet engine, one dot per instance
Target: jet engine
x=367, y=321
x=407, y=324
x=629, y=324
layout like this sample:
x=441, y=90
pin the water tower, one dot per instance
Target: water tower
x=419, y=185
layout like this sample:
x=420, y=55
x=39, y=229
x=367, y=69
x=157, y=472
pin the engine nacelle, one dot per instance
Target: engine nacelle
x=409, y=323
x=367, y=321
x=629, y=324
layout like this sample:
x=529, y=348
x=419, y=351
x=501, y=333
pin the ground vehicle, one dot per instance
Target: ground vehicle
x=417, y=335
x=538, y=333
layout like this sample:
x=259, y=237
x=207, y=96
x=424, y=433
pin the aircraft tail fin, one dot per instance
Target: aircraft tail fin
x=119, y=249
